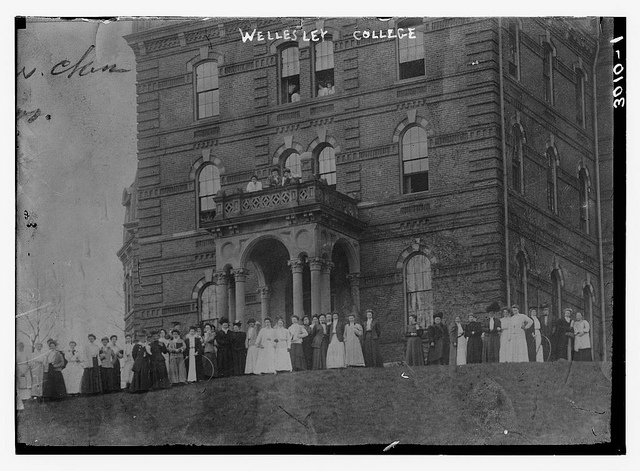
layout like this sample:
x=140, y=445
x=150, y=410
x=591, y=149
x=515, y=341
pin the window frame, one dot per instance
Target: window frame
x=428, y=317
x=584, y=185
x=418, y=23
x=199, y=196
x=196, y=93
x=522, y=278
x=214, y=287
x=517, y=156
x=317, y=153
x=314, y=70
x=581, y=113
x=282, y=94
x=403, y=174
x=514, y=39
x=556, y=293
x=552, y=180
x=548, y=67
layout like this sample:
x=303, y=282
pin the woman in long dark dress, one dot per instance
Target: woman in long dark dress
x=320, y=343
x=141, y=354
x=209, y=360
x=53, y=387
x=306, y=343
x=473, y=333
x=106, y=367
x=91, y=377
x=238, y=349
x=159, y=373
x=372, y=331
x=414, y=355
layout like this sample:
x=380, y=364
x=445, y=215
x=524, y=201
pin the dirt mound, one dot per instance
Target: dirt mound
x=491, y=407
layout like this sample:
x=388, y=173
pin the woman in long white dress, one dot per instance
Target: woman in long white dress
x=537, y=337
x=459, y=341
x=582, y=342
x=352, y=348
x=282, y=340
x=73, y=372
x=127, y=360
x=335, y=350
x=36, y=364
x=519, y=323
x=266, y=362
x=250, y=344
x=505, y=336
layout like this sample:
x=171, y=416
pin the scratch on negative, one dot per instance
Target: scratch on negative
x=391, y=445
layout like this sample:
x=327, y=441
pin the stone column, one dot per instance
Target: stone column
x=316, y=285
x=241, y=278
x=296, y=268
x=231, y=314
x=325, y=292
x=354, y=281
x=264, y=302
x=221, y=281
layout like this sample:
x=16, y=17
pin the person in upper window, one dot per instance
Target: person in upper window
x=254, y=184
x=288, y=179
x=330, y=88
x=294, y=95
x=274, y=179
x=322, y=89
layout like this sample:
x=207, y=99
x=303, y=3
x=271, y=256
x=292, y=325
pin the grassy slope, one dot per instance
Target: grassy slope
x=552, y=403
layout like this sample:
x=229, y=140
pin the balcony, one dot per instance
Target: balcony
x=307, y=201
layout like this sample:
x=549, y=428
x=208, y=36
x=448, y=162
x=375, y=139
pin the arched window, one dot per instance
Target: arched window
x=514, y=49
x=208, y=187
x=415, y=163
x=323, y=70
x=580, y=103
x=547, y=73
x=327, y=165
x=294, y=163
x=208, y=302
x=556, y=294
x=289, y=74
x=517, y=161
x=551, y=181
x=418, y=289
x=411, y=49
x=521, y=285
x=207, y=92
x=584, y=200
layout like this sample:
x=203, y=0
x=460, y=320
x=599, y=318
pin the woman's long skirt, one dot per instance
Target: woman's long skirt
x=91, y=379
x=461, y=351
x=584, y=354
x=108, y=376
x=72, y=375
x=177, y=370
x=141, y=381
x=414, y=355
x=298, y=360
x=208, y=365
x=117, y=375
x=320, y=357
x=353, y=351
x=283, y=359
x=307, y=348
x=159, y=375
x=127, y=374
x=372, y=358
x=252, y=358
x=266, y=362
x=53, y=387
x=335, y=353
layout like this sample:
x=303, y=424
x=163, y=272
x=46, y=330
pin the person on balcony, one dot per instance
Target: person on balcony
x=254, y=184
x=288, y=179
x=274, y=179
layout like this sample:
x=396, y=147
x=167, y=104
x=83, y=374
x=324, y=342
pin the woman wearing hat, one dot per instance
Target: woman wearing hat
x=252, y=350
x=414, y=356
x=372, y=332
x=519, y=324
x=563, y=334
x=141, y=353
x=107, y=371
x=53, y=387
x=238, y=349
x=209, y=360
x=91, y=377
x=582, y=343
x=176, y=347
x=282, y=341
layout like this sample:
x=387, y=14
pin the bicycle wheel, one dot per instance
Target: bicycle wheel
x=546, y=342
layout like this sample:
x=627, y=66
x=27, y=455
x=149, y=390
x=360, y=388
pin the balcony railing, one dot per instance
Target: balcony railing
x=304, y=196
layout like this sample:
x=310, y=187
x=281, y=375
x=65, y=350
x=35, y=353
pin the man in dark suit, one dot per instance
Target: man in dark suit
x=473, y=333
x=372, y=332
x=274, y=179
x=288, y=179
x=437, y=335
x=239, y=352
x=225, y=348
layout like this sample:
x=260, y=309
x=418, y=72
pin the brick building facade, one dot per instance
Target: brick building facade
x=438, y=172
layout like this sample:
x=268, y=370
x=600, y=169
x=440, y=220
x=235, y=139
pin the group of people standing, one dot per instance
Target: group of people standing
x=513, y=337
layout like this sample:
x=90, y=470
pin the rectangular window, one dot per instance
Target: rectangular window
x=580, y=111
x=207, y=92
x=514, y=50
x=411, y=56
x=547, y=72
x=289, y=75
x=324, y=79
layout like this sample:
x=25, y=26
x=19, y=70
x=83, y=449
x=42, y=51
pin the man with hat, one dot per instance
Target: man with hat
x=238, y=350
x=274, y=179
x=436, y=336
x=288, y=179
x=225, y=349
